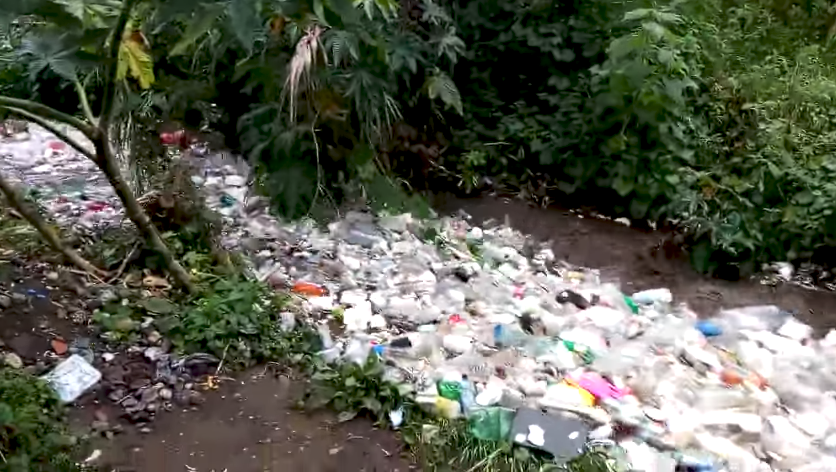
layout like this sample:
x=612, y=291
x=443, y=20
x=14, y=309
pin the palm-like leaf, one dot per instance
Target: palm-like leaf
x=342, y=46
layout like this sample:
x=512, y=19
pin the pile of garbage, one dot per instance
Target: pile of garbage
x=485, y=324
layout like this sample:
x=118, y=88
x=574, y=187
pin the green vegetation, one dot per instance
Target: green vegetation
x=715, y=116
x=32, y=434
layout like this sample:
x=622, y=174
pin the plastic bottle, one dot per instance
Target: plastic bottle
x=509, y=336
x=652, y=296
x=761, y=317
x=468, y=395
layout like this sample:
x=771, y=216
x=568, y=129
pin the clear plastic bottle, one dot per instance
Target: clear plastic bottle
x=468, y=395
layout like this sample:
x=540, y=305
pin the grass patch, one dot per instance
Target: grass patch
x=33, y=436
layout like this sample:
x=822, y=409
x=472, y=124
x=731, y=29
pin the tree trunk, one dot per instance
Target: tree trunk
x=106, y=161
x=35, y=219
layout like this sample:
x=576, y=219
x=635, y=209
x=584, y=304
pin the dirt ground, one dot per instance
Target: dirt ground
x=250, y=424
x=627, y=254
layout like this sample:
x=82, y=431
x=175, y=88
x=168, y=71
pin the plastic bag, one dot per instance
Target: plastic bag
x=491, y=424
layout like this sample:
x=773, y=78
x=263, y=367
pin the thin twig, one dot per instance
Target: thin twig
x=223, y=357
x=85, y=104
x=81, y=272
x=125, y=262
x=318, y=166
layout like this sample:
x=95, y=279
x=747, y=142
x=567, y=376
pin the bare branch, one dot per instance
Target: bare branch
x=48, y=113
x=35, y=219
x=54, y=130
x=113, y=62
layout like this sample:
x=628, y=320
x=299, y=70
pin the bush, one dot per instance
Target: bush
x=716, y=115
x=32, y=435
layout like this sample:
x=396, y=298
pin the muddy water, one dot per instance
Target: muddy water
x=628, y=255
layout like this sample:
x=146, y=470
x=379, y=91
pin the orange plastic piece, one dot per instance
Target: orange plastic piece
x=308, y=289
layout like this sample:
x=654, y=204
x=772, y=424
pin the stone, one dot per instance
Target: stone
x=397, y=223
x=153, y=337
x=12, y=360
x=5, y=301
x=166, y=394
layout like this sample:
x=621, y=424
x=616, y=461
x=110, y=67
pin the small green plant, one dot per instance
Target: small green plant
x=351, y=389
x=33, y=436
x=235, y=317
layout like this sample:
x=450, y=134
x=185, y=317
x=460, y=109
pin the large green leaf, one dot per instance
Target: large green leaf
x=199, y=25
x=440, y=85
x=245, y=21
x=50, y=52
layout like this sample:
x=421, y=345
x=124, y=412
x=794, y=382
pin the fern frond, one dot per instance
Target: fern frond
x=342, y=45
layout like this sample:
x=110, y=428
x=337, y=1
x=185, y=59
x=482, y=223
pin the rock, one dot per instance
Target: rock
x=18, y=298
x=153, y=353
x=52, y=276
x=166, y=394
x=397, y=223
x=5, y=302
x=12, y=360
x=153, y=337
x=196, y=398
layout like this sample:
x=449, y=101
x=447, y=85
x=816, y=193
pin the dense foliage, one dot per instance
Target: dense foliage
x=32, y=436
x=716, y=115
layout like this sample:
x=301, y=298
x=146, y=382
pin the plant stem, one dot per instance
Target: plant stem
x=48, y=113
x=35, y=219
x=106, y=161
x=54, y=130
x=109, y=95
x=85, y=104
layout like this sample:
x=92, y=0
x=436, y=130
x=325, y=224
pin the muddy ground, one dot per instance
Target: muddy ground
x=250, y=423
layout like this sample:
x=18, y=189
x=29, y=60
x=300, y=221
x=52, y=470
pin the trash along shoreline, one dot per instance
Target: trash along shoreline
x=484, y=324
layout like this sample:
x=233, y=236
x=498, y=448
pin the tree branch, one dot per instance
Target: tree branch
x=113, y=64
x=35, y=219
x=48, y=113
x=54, y=130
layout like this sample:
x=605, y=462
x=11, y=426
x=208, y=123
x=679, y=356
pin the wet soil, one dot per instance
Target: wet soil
x=630, y=256
x=251, y=424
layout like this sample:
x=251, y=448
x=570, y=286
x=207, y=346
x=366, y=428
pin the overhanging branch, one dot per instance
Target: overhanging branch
x=48, y=113
x=54, y=130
